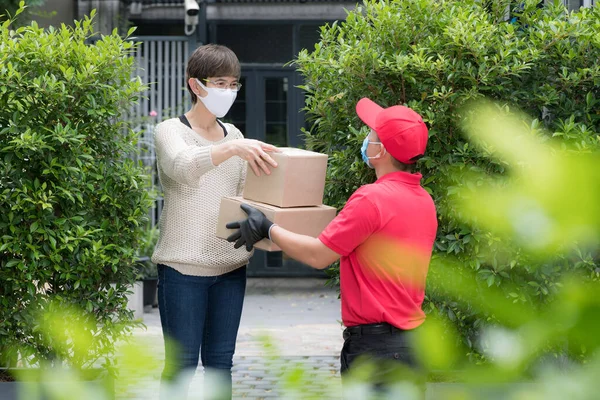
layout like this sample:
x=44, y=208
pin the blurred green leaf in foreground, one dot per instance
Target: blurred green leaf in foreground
x=550, y=198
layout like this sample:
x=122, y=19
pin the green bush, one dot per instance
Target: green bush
x=147, y=268
x=73, y=206
x=436, y=56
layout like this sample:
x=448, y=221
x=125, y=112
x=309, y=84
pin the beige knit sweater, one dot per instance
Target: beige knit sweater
x=193, y=188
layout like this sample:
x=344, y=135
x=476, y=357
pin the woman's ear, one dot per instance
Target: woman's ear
x=196, y=88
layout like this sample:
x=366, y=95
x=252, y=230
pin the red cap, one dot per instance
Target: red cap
x=400, y=129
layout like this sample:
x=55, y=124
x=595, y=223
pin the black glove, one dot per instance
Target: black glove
x=251, y=230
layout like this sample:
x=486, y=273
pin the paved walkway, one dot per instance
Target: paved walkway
x=288, y=348
x=290, y=332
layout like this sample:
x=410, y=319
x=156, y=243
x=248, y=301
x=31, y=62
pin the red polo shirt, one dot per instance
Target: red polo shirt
x=385, y=235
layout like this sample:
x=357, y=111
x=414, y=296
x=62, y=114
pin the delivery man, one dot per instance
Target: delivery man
x=384, y=236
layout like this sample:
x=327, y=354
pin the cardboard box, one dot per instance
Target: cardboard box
x=303, y=220
x=298, y=180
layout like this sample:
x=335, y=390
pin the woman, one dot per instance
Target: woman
x=202, y=279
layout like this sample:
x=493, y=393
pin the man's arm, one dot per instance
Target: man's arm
x=306, y=249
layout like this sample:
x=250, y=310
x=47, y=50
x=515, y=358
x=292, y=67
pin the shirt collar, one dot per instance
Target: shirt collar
x=403, y=177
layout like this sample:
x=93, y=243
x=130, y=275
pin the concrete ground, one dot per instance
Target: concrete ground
x=290, y=332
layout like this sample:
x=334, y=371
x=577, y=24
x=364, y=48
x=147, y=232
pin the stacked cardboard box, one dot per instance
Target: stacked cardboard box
x=291, y=196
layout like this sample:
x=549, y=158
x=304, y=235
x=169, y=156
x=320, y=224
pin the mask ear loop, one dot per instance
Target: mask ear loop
x=201, y=86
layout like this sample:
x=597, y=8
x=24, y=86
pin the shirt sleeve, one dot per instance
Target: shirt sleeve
x=181, y=162
x=358, y=220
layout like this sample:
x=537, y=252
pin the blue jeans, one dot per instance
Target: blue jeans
x=200, y=315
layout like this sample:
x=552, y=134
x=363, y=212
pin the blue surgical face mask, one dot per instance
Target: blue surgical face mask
x=363, y=152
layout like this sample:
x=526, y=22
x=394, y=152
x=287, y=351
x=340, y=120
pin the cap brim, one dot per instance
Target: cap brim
x=367, y=111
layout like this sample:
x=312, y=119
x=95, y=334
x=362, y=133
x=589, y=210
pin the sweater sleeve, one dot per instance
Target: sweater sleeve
x=237, y=134
x=181, y=162
x=242, y=183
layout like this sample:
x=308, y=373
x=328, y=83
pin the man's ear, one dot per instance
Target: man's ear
x=383, y=152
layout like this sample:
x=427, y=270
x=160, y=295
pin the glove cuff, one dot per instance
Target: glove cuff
x=269, y=233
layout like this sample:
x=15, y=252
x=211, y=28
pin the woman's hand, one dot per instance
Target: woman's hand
x=256, y=153
x=253, y=151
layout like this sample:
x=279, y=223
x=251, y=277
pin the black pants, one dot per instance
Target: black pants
x=388, y=348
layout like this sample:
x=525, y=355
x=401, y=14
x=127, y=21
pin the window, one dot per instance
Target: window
x=276, y=110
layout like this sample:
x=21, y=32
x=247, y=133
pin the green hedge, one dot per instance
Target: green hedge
x=73, y=206
x=436, y=56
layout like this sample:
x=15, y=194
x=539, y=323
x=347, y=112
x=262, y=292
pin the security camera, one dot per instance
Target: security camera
x=191, y=8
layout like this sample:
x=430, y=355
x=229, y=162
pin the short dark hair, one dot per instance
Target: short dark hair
x=211, y=60
x=401, y=166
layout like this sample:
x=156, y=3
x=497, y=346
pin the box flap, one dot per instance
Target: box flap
x=270, y=207
x=294, y=152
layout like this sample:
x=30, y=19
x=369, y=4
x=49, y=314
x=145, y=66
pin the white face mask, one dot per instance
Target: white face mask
x=217, y=101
